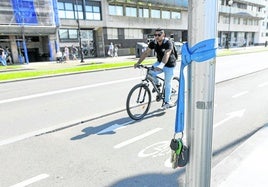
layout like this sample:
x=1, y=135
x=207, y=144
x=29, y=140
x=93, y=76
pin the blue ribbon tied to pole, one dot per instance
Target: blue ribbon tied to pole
x=200, y=52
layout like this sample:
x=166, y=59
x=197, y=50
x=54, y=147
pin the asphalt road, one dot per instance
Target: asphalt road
x=102, y=146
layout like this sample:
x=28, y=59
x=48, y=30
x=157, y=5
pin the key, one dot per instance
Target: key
x=180, y=146
x=174, y=158
x=174, y=144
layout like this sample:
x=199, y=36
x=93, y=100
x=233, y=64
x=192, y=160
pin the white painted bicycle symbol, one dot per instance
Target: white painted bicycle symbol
x=156, y=150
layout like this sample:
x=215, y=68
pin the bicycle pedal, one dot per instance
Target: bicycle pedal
x=158, y=98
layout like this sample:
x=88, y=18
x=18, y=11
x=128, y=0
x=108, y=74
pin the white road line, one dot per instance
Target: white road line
x=125, y=143
x=263, y=84
x=18, y=138
x=231, y=115
x=31, y=180
x=64, y=90
x=33, y=133
x=239, y=94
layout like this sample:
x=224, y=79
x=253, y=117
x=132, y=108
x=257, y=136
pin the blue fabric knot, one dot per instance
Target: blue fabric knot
x=200, y=52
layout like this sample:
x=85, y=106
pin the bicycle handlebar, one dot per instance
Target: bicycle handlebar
x=146, y=67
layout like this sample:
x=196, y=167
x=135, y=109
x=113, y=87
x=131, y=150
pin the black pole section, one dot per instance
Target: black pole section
x=79, y=33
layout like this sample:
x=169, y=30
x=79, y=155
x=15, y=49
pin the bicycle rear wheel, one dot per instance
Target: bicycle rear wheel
x=138, y=101
x=175, y=90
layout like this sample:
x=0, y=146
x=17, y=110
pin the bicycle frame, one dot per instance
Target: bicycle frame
x=148, y=78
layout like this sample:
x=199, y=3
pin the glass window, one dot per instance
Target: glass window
x=63, y=33
x=93, y=12
x=60, y=5
x=165, y=14
x=96, y=9
x=62, y=14
x=155, y=13
x=69, y=14
x=68, y=34
x=131, y=11
x=144, y=13
x=78, y=9
x=116, y=10
x=73, y=34
x=66, y=10
x=176, y=15
x=133, y=34
x=112, y=33
x=68, y=6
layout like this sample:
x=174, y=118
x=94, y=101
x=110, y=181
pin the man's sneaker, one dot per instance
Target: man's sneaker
x=158, y=87
x=168, y=105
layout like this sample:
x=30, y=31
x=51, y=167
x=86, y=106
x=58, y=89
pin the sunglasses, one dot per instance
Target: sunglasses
x=157, y=35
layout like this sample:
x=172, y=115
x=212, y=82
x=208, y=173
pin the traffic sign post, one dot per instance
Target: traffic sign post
x=202, y=16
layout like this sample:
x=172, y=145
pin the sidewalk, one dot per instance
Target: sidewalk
x=247, y=166
x=71, y=63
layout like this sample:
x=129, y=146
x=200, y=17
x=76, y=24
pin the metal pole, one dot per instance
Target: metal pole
x=230, y=3
x=79, y=33
x=26, y=58
x=202, y=25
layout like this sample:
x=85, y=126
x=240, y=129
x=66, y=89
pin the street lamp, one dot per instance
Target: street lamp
x=79, y=33
x=228, y=39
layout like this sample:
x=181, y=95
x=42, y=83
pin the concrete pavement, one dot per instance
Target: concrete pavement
x=247, y=166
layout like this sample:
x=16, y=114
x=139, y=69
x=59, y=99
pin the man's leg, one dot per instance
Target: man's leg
x=169, y=73
x=155, y=73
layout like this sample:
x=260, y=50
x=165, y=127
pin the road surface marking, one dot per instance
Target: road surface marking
x=263, y=84
x=137, y=138
x=31, y=180
x=156, y=150
x=64, y=90
x=239, y=94
x=231, y=115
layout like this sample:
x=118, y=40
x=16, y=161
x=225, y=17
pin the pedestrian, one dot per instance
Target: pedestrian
x=116, y=51
x=8, y=56
x=111, y=50
x=2, y=57
x=74, y=52
x=66, y=53
x=59, y=57
x=265, y=43
x=166, y=62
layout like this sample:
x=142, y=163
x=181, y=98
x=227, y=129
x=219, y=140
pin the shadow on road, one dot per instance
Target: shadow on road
x=110, y=127
x=152, y=180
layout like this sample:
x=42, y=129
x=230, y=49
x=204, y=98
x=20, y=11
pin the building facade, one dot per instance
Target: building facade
x=35, y=30
x=240, y=23
x=28, y=28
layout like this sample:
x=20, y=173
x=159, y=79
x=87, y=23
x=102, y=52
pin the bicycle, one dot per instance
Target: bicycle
x=139, y=98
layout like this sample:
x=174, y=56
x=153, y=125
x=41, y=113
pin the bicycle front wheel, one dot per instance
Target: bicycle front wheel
x=175, y=90
x=138, y=101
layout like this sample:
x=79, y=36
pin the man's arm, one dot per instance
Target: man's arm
x=164, y=59
x=143, y=56
x=166, y=56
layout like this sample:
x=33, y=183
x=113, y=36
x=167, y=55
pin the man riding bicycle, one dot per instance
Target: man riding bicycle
x=166, y=62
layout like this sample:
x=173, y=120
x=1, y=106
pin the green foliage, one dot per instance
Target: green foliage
x=21, y=73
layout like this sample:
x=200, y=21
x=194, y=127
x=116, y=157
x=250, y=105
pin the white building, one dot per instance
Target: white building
x=240, y=22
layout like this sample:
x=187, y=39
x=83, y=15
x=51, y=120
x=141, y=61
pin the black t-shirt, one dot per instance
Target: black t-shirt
x=160, y=51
